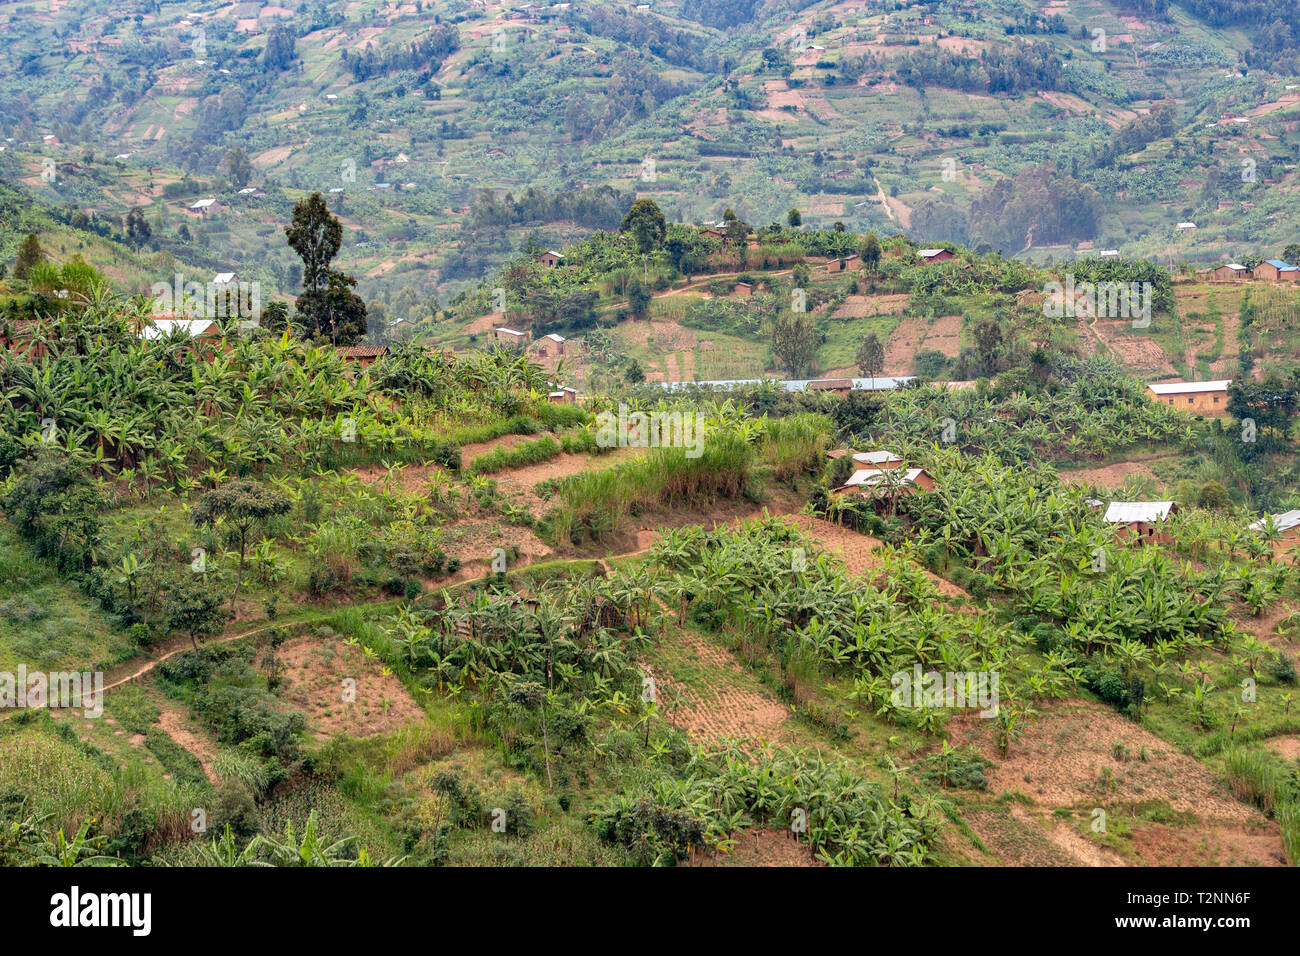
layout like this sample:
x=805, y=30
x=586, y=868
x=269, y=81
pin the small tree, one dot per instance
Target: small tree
x=645, y=221
x=316, y=236
x=237, y=167
x=138, y=231
x=638, y=297
x=194, y=608
x=795, y=341
x=871, y=251
x=244, y=503
x=794, y=218
x=871, y=357
x=30, y=254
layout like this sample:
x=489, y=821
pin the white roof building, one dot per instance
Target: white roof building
x=1284, y=522
x=871, y=477
x=509, y=331
x=162, y=328
x=1132, y=512
x=1188, y=388
x=203, y=204
x=876, y=457
x=927, y=253
x=224, y=278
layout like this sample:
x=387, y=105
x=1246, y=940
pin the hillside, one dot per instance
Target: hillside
x=899, y=120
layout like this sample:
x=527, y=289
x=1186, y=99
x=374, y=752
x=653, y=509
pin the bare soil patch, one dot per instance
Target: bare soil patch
x=1110, y=476
x=1286, y=747
x=1138, y=352
x=314, y=682
x=863, y=306
x=1080, y=753
x=180, y=727
x=762, y=847
x=728, y=705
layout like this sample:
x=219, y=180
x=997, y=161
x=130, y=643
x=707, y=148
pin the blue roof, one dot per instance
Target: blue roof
x=879, y=383
x=1279, y=264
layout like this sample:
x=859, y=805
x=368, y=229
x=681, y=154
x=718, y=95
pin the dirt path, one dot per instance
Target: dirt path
x=883, y=199
x=175, y=723
x=182, y=645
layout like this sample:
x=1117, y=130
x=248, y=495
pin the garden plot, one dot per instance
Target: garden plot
x=1079, y=755
x=703, y=690
x=316, y=673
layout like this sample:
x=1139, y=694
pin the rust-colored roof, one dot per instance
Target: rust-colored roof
x=362, y=351
x=830, y=384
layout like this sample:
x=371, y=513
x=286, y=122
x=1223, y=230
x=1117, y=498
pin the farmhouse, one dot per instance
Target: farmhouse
x=550, y=346
x=1203, y=398
x=873, y=481
x=205, y=333
x=840, y=386
x=1232, y=270
x=881, y=383
x=550, y=258
x=934, y=255
x=510, y=338
x=1286, y=526
x=742, y=290
x=878, y=459
x=1277, y=271
x=225, y=278
x=363, y=355
x=202, y=206
x=1108, y=254
x=564, y=395
x=844, y=264
x=1140, y=519
x=23, y=336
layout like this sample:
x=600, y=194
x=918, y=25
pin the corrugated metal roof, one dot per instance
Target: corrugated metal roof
x=880, y=383
x=163, y=327
x=1185, y=388
x=1279, y=264
x=870, y=477
x=1128, y=512
x=1285, y=521
x=875, y=457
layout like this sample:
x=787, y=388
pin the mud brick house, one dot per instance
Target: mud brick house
x=550, y=346
x=363, y=355
x=510, y=338
x=934, y=255
x=1232, y=270
x=1201, y=398
x=1287, y=528
x=1140, y=519
x=1277, y=271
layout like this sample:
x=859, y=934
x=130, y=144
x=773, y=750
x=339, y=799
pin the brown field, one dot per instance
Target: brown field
x=315, y=671
x=1080, y=755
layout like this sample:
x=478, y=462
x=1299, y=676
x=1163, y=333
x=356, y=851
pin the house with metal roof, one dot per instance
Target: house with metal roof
x=1140, y=519
x=1201, y=398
